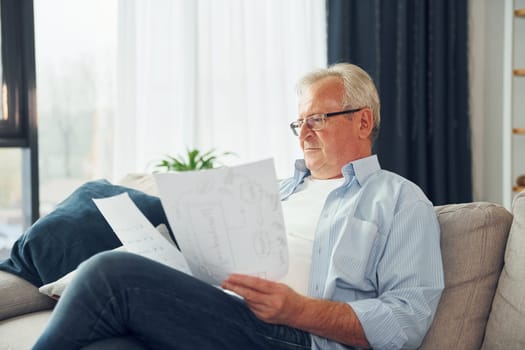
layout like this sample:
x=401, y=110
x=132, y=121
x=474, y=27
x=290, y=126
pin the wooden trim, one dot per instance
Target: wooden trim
x=518, y=188
x=519, y=72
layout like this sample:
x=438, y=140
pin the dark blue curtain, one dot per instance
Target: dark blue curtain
x=416, y=52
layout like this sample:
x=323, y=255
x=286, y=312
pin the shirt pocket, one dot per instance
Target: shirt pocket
x=352, y=252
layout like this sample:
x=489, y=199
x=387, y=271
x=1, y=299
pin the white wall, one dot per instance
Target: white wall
x=490, y=26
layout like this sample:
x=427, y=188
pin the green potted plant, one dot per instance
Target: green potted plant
x=193, y=160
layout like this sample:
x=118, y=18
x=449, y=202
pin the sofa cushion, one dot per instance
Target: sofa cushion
x=17, y=297
x=506, y=326
x=21, y=332
x=58, y=242
x=141, y=182
x=473, y=238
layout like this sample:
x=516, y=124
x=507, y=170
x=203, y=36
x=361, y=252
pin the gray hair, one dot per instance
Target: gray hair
x=360, y=90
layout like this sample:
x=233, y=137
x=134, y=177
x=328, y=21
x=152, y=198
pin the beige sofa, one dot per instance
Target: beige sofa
x=482, y=307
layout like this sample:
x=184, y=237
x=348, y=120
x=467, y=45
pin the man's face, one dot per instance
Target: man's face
x=342, y=140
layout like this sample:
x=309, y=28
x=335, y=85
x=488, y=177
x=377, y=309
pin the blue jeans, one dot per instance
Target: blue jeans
x=122, y=294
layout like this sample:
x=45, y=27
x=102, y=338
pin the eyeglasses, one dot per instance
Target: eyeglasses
x=317, y=122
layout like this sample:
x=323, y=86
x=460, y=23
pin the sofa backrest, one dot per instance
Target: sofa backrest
x=473, y=240
x=506, y=326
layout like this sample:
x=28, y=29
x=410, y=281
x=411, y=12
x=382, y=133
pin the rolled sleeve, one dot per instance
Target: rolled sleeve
x=382, y=329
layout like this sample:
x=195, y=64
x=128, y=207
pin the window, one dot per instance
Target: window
x=123, y=82
x=75, y=64
x=11, y=121
x=11, y=213
x=18, y=144
x=3, y=114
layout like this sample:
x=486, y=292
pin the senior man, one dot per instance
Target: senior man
x=365, y=262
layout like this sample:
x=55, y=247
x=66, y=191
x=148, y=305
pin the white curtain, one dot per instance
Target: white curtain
x=213, y=74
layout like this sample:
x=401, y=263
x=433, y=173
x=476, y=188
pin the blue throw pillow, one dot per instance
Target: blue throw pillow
x=58, y=242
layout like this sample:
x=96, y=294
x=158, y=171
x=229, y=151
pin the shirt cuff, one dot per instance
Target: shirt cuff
x=381, y=327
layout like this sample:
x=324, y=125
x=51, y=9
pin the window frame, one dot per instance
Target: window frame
x=18, y=128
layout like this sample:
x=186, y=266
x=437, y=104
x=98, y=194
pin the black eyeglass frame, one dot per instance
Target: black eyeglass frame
x=294, y=125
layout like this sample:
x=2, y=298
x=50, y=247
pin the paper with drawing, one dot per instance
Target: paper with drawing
x=225, y=220
x=137, y=234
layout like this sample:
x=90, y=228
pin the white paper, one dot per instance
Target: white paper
x=137, y=234
x=227, y=220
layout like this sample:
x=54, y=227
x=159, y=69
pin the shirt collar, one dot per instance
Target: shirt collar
x=361, y=168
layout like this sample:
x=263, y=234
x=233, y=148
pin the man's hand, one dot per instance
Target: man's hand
x=272, y=302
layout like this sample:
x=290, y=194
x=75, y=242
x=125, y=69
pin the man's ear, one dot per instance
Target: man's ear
x=366, y=124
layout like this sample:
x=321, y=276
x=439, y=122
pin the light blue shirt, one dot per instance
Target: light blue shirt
x=376, y=247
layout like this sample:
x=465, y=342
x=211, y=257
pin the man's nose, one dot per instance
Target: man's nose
x=305, y=132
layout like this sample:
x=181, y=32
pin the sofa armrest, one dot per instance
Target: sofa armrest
x=473, y=239
x=20, y=297
x=141, y=182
